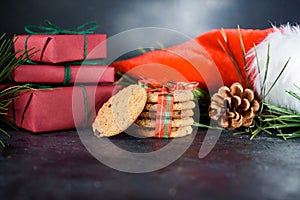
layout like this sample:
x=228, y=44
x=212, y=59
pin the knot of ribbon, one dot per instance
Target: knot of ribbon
x=49, y=28
x=165, y=102
x=170, y=86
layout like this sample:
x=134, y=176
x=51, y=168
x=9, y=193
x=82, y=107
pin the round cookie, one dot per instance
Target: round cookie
x=150, y=123
x=179, y=96
x=187, y=105
x=177, y=114
x=120, y=111
x=175, y=132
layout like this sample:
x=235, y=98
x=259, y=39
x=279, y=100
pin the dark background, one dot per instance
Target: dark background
x=57, y=165
x=191, y=17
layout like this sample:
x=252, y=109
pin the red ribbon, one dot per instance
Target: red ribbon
x=163, y=121
x=152, y=85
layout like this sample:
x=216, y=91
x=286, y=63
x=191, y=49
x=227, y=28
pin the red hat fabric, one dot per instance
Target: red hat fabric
x=202, y=59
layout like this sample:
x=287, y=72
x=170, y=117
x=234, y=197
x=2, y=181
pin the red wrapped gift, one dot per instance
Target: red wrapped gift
x=55, y=74
x=62, y=48
x=53, y=109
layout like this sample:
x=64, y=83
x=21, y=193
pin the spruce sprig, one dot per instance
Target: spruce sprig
x=270, y=119
x=9, y=59
x=273, y=119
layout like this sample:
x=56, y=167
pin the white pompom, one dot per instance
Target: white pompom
x=284, y=44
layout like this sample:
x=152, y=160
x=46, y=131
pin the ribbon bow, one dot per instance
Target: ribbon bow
x=163, y=121
x=51, y=29
x=171, y=86
x=87, y=28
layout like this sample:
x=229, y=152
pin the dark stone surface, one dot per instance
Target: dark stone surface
x=57, y=166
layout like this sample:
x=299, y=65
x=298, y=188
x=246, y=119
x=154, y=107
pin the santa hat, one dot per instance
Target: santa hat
x=275, y=66
x=185, y=57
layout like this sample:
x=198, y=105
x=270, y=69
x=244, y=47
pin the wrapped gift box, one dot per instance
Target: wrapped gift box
x=62, y=48
x=53, y=109
x=55, y=74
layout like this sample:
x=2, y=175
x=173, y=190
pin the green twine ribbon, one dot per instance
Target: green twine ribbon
x=86, y=106
x=67, y=68
x=51, y=29
x=67, y=76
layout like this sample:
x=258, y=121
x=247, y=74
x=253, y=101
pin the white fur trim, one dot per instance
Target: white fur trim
x=284, y=44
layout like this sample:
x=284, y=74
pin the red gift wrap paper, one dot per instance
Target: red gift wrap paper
x=55, y=74
x=54, y=109
x=62, y=48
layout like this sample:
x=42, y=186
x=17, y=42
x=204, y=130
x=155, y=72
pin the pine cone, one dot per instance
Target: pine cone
x=233, y=107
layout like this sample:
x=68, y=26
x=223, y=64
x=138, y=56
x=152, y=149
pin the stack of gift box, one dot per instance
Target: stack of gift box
x=68, y=82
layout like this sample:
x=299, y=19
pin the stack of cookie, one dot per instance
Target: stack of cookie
x=178, y=121
x=140, y=111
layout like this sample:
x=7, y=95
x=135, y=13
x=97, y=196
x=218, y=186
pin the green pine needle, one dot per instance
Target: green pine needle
x=229, y=53
x=8, y=61
x=196, y=124
x=294, y=94
x=125, y=79
x=263, y=87
x=248, y=82
x=279, y=75
x=270, y=119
